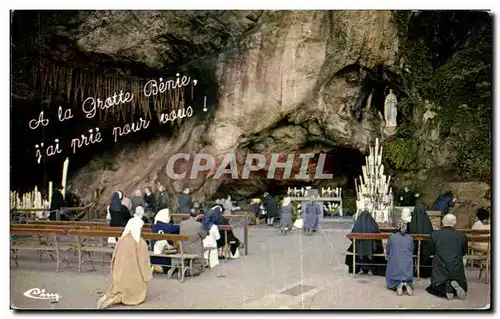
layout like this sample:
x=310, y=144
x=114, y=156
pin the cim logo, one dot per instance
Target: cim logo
x=37, y=293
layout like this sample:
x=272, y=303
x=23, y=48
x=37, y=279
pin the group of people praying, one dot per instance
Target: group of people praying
x=132, y=265
x=441, y=258
x=269, y=209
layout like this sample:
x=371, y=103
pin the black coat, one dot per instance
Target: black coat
x=409, y=198
x=366, y=247
x=57, y=200
x=119, y=218
x=449, y=246
x=421, y=224
x=150, y=201
x=271, y=207
x=161, y=201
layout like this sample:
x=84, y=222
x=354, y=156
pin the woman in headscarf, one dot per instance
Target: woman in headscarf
x=162, y=225
x=399, y=252
x=139, y=213
x=421, y=224
x=119, y=214
x=286, y=215
x=310, y=217
x=210, y=242
x=406, y=216
x=130, y=269
x=366, y=248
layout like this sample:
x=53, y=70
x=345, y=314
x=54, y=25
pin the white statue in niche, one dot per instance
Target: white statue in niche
x=390, y=110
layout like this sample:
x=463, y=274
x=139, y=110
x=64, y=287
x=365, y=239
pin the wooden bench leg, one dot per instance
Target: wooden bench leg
x=191, y=267
x=14, y=253
x=67, y=259
x=354, y=258
x=79, y=260
x=57, y=259
x=418, y=262
x=487, y=275
x=91, y=261
x=171, y=270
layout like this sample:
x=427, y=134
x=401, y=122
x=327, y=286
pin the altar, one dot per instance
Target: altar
x=329, y=199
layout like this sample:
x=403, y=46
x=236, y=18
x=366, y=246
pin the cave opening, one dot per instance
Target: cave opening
x=343, y=163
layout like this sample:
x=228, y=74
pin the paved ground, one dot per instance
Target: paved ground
x=275, y=263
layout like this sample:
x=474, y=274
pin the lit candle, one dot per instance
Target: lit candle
x=50, y=192
x=64, y=176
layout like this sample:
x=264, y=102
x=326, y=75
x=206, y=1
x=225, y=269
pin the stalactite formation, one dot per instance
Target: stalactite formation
x=76, y=84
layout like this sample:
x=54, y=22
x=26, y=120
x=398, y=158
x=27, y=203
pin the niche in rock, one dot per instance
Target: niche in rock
x=375, y=88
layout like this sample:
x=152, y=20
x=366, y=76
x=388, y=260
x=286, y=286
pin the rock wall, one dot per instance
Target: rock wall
x=295, y=78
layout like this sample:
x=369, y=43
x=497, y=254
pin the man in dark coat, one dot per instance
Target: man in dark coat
x=56, y=204
x=448, y=275
x=185, y=203
x=161, y=200
x=194, y=245
x=271, y=208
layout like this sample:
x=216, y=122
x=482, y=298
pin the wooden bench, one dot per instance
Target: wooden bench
x=240, y=217
x=75, y=223
x=46, y=240
x=30, y=213
x=467, y=231
x=419, y=238
x=179, y=254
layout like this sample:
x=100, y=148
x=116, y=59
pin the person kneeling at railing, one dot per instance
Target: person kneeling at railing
x=449, y=247
x=399, y=252
x=366, y=248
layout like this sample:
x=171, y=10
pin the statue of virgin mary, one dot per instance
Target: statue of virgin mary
x=390, y=110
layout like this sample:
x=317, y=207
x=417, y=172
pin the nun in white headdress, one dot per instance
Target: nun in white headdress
x=210, y=243
x=130, y=269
